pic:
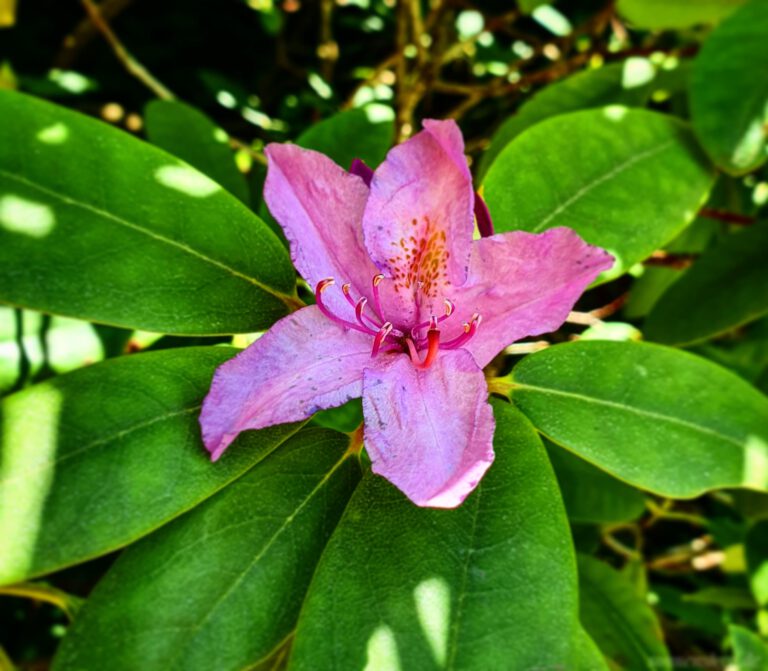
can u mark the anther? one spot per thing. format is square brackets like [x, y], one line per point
[381, 336]
[322, 285]
[469, 331]
[376, 281]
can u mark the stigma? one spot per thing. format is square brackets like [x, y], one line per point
[368, 317]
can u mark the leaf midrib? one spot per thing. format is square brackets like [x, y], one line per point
[145, 231]
[649, 414]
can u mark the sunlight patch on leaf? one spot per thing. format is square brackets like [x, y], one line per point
[186, 180]
[21, 215]
[433, 610]
[637, 72]
[382, 651]
[29, 442]
[615, 112]
[54, 134]
[756, 462]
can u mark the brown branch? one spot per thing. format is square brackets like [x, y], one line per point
[670, 260]
[86, 31]
[728, 217]
[130, 63]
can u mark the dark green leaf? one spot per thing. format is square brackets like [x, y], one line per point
[489, 585]
[661, 419]
[591, 495]
[99, 225]
[626, 83]
[631, 182]
[95, 459]
[622, 625]
[675, 13]
[220, 587]
[725, 288]
[186, 132]
[756, 551]
[587, 655]
[729, 99]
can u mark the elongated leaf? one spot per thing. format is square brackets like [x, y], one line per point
[220, 587]
[626, 83]
[725, 288]
[186, 132]
[661, 419]
[729, 104]
[587, 655]
[608, 188]
[488, 585]
[92, 460]
[675, 13]
[591, 495]
[98, 225]
[620, 622]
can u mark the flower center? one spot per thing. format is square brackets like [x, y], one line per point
[388, 339]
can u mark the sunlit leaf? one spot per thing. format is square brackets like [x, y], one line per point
[626, 180]
[663, 420]
[729, 99]
[95, 459]
[488, 585]
[98, 225]
[220, 587]
[675, 13]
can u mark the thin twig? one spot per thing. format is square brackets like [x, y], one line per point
[130, 63]
[669, 260]
[728, 217]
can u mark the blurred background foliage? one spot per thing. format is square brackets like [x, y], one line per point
[244, 73]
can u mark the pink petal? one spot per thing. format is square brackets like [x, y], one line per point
[303, 364]
[320, 207]
[429, 432]
[525, 284]
[419, 218]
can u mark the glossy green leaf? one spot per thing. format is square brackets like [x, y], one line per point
[220, 587]
[186, 132]
[366, 133]
[92, 460]
[626, 83]
[750, 652]
[587, 655]
[98, 225]
[591, 495]
[633, 180]
[661, 419]
[488, 585]
[729, 99]
[622, 625]
[725, 288]
[756, 553]
[675, 13]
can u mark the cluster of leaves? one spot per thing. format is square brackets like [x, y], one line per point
[623, 524]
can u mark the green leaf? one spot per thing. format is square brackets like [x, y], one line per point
[622, 625]
[626, 83]
[93, 460]
[220, 587]
[729, 101]
[186, 132]
[631, 182]
[750, 652]
[661, 419]
[725, 288]
[675, 13]
[365, 133]
[98, 225]
[489, 585]
[591, 495]
[587, 655]
[756, 554]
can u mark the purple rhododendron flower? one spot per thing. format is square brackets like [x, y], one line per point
[409, 310]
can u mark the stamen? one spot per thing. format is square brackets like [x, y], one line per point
[449, 310]
[377, 280]
[433, 346]
[469, 332]
[346, 289]
[381, 336]
[322, 285]
[359, 309]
